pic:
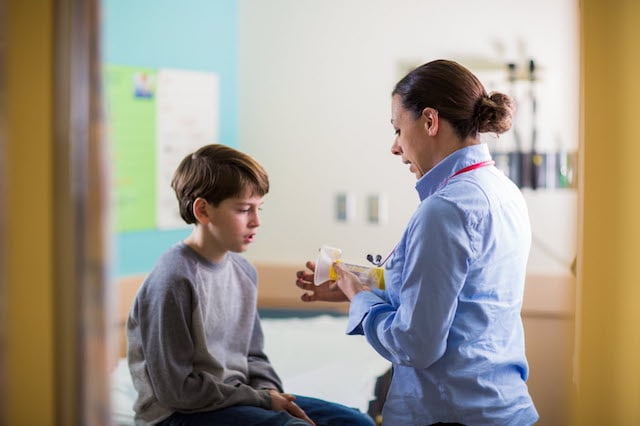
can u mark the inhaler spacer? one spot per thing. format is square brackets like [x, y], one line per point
[373, 277]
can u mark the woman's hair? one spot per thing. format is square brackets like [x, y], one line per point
[458, 96]
[215, 173]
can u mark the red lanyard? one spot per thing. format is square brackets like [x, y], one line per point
[469, 168]
[378, 262]
[473, 167]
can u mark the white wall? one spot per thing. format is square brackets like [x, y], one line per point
[314, 85]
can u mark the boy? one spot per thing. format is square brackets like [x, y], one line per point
[195, 345]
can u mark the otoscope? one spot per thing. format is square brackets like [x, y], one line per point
[516, 159]
[536, 158]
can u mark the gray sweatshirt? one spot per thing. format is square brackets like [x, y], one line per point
[194, 341]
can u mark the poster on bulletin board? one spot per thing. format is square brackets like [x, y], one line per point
[156, 116]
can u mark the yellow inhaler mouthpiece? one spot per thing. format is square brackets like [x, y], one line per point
[373, 277]
[333, 275]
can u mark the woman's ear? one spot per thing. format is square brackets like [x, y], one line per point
[200, 211]
[431, 120]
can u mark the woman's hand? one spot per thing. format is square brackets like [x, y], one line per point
[348, 282]
[285, 402]
[326, 292]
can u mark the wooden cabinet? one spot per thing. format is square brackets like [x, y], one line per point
[548, 315]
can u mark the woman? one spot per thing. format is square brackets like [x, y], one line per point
[449, 317]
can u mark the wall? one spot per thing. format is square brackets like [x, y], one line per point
[197, 35]
[314, 85]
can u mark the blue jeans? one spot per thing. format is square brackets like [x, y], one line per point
[323, 413]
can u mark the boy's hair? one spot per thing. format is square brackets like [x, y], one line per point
[216, 172]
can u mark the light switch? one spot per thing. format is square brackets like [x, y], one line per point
[344, 207]
[376, 209]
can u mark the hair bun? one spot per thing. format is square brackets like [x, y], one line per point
[494, 113]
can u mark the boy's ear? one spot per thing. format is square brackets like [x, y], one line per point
[200, 210]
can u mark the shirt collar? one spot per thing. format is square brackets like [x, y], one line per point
[437, 176]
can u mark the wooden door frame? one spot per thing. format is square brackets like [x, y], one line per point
[81, 218]
[3, 218]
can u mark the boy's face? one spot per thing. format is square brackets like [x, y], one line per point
[234, 222]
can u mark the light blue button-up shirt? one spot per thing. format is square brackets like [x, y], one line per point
[449, 318]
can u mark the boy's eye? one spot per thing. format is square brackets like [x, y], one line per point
[249, 209]
[397, 132]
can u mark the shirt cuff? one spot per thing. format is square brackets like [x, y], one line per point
[382, 294]
[360, 306]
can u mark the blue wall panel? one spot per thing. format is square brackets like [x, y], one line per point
[199, 35]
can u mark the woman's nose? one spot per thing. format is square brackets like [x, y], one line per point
[395, 148]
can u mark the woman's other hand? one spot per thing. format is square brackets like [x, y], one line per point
[326, 292]
[285, 402]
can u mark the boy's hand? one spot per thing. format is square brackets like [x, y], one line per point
[285, 402]
[326, 292]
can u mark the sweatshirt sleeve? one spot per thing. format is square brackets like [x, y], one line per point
[261, 372]
[162, 352]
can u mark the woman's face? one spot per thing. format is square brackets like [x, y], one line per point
[412, 141]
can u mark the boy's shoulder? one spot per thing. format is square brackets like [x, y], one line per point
[173, 266]
[180, 261]
[180, 264]
[175, 260]
[243, 264]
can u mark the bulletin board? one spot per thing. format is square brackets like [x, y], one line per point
[156, 116]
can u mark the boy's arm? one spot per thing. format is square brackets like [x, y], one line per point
[261, 373]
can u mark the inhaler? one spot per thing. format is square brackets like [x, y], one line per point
[373, 277]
